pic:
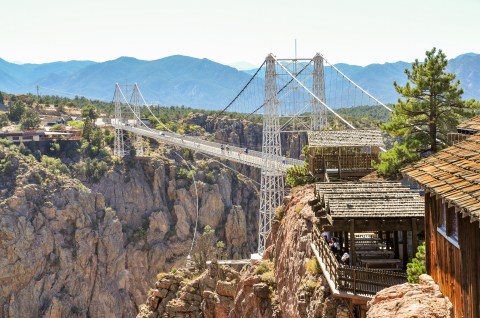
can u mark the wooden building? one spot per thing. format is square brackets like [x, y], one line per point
[387, 209]
[451, 179]
[348, 153]
[465, 130]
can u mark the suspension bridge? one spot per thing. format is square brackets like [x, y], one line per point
[291, 95]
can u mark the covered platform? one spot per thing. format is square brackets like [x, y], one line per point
[350, 152]
[379, 224]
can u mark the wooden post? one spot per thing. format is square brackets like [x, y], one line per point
[395, 244]
[414, 236]
[340, 239]
[345, 234]
[389, 246]
[353, 255]
[405, 251]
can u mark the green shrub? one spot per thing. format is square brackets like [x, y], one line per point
[185, 174]
[54, 165]
[312, 266]
[297, 176]
[210, 177]
[417, 266]
[263, 267]
[311, 284]
[279, 212]
[269, 278]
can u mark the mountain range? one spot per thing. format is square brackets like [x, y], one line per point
[201, 83]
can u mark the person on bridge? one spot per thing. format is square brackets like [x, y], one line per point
[246, 150]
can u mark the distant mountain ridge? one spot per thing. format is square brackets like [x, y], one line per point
[201, 83]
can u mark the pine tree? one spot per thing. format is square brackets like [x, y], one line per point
[417, 266]
[30, 119]
[431, 107]
[16, 111]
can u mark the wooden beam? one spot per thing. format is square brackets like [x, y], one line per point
[414, 236]
[389, 243]
[353, 255]
[405, 250]
[371, 225]
[345, 234]
[395, 244]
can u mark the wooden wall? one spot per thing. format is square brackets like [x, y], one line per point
[455, 270]
[469, 236]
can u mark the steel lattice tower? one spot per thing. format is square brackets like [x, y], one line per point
[272, 184]
[119, 146]
[319, 112]
[137, 139]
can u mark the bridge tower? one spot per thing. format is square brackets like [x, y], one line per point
[119, 142]
[272, 183]
[124, 141]
[137, 139]
[319, 112]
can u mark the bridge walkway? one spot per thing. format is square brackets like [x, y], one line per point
[233, 153]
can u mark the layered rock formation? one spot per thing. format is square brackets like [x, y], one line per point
[286, 283]
[411, 300]
[69, 249]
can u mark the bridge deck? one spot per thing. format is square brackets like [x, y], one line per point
[236, 154]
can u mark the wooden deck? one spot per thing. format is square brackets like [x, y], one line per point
[352, 281]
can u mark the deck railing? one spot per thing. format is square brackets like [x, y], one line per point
[352, 279]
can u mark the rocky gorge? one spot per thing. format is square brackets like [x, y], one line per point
[81, 249]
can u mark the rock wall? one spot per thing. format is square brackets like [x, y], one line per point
[286, 283]
[411, 300]
[69, 249]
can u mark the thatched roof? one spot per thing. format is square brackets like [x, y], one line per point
[345, 138]
[370, 200]
[452, 174]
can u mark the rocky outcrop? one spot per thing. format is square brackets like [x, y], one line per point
[411, 300]
[286, 283]
[73, 249]
[181, 294]
[302, 290]
[61, 248]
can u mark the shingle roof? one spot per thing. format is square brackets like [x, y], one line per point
[453, 174]
[347, 138]
[473, 124]
[370, 200]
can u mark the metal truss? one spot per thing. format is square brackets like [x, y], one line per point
[319, 112]
[272, 183]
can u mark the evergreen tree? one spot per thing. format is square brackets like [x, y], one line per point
[207, 248]
[3, 120]
[89, 114]
[431, 107]
[30, 119]
[417, 266]
[16, 111]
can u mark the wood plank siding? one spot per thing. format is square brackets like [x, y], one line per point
[451, 179]
[443, 258]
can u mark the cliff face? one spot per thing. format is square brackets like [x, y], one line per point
[286, 283]
[69, 249]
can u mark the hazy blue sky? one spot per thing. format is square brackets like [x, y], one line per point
[351, 31]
